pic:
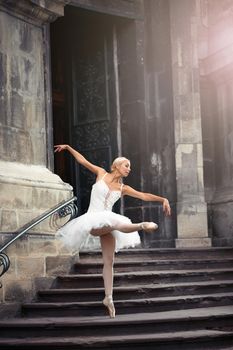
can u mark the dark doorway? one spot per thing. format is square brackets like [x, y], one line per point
[85, 94]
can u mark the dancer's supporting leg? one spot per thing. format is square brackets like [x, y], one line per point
[108, 249]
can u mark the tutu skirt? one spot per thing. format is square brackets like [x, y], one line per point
[75, 233]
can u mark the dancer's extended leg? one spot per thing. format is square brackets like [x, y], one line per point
[108, 248]
[125, 227]
[129, 227]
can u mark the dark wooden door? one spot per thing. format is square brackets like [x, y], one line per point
[91, 62]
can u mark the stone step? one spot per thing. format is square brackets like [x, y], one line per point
[169, 300]
[94, 308]
[136, 291]
[124, 266]
[212, 318]
[163, 253]
[144, 277]
[188, 340]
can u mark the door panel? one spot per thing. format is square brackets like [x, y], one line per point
[93, 127]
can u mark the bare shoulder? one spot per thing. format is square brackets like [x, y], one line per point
[101, 173]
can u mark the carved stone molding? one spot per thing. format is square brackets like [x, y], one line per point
[35, 10]
[124, 8]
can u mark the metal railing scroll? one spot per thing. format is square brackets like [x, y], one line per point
[61, 210]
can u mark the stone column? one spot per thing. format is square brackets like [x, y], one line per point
[27, 186]
[191, 206]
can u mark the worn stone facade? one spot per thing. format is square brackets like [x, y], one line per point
[162, 96]
[28, 187]
[216, 73]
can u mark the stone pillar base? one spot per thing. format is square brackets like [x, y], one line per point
[26, 191]
[192, 224]
[199, 242]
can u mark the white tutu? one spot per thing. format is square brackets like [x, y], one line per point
[75, 233]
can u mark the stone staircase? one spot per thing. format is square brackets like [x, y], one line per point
[165, 299]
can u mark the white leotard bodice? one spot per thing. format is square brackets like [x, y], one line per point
[102, 197]
[77, 232]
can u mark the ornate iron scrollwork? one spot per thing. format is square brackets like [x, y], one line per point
[70, 209]
[4, 264]
[60, 211]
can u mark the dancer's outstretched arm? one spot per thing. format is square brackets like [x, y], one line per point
[80, 159]
[129, 191]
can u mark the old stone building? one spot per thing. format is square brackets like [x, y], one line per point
[149, 79]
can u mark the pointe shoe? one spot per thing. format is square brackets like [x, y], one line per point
[149, 226]
[108, 302]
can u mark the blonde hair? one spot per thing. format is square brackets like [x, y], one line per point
[118, 161]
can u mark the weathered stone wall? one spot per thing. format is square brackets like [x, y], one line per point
[174, 122]
[191, 205]
[216, 58]
[36, 260]
[27, 186]
[159, 174]
[23, 133]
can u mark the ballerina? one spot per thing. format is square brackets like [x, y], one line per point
[115, 231]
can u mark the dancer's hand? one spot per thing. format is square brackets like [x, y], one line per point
[59, 148]
[166, 207]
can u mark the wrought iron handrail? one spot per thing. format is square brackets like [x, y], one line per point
[62, 209]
